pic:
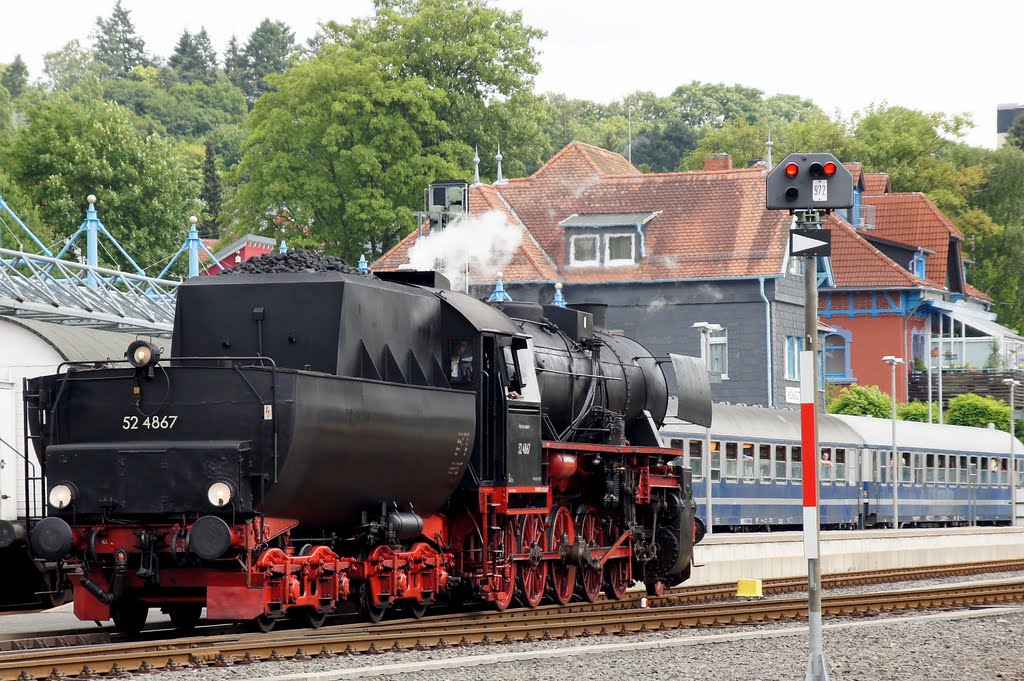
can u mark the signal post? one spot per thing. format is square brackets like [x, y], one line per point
[810, 185]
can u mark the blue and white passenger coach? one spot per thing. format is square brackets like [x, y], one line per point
[949, 475]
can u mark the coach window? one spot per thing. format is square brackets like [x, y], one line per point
[918, 459]
[940, 468]
[929, 468]
[839, 464]
[906, 467]
[748, 461]
[697, 459]
[951, 469]
[780, 463]
[716, 461]
[877, 465]
[764, 463]
[825, 466]
[795, 472]
[983, 474]
[731, 453]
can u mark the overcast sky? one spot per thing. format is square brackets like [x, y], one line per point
[937, 57]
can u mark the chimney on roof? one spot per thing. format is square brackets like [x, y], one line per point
[718, 162]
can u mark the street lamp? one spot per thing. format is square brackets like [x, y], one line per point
[706, 329]
[893, 362]
[1013, 383]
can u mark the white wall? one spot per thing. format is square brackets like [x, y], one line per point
[22, 355]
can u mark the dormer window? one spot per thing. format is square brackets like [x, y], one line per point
[620, 250]
[917, 266]
[583, 250]
[606, 240]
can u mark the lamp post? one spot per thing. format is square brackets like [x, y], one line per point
[1012, 383]
[706, 329]
[894, 469]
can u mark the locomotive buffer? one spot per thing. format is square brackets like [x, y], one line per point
[810, 185]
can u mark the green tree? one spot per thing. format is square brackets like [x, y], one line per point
[267, 52]
[859, 400]
[917, 411]
[338, 154]
[118, 47]
[978, 411]
[1015, 134]
[910, 146]
[194, 60]
[71, 68]
[482, 59]
[235, 66]
[15, 76]
[211, 195]
[72, 148]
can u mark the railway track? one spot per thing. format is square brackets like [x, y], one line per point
[672, 611]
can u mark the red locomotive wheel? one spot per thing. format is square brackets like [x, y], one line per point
[503, 573]
[563, 575]
[617, 571]
[588, 529]
[533, 573]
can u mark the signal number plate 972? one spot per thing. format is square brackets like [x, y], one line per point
[148, 422]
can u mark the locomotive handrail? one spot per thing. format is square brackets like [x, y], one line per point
[570, 373]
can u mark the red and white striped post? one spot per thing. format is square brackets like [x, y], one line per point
[816, 668]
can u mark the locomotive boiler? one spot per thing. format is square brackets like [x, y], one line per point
[318, 437]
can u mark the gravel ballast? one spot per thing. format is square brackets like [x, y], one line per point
[973, 645]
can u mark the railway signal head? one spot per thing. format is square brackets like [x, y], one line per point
[809, 181]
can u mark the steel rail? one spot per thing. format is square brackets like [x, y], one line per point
[439, 632]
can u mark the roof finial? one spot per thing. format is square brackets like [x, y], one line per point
[768, 145]
[476, 166]
[500, 179]
[500, 295]
[558, 300]
[363, 266]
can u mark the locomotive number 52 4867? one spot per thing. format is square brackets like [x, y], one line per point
[150, 422]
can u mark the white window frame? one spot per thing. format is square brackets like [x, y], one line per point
[596, 262]
[720, 337]
[608, 250]
[796, 265]
[794, 346]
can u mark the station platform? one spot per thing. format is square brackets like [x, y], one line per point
[766, 555]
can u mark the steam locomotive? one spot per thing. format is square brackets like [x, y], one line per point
[321, 437]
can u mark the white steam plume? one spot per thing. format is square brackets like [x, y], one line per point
[485, 243]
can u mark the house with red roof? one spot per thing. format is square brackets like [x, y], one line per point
[899, 287]
[667, 251]
[663, 252]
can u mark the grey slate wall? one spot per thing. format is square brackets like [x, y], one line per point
[660, 315]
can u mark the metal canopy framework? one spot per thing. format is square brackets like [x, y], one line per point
[43, 287]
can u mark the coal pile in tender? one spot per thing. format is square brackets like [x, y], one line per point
[294, 261]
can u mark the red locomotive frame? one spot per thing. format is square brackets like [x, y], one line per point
[537, 542]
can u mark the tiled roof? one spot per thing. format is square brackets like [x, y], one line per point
[975, 293]
[911, 218]
[709, 225]
[877, 183]
[858, 264]
[857, 170]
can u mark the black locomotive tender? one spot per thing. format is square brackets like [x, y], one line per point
[316, 437]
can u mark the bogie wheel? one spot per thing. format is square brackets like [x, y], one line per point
[414, 609]
[588, 529]
[533, 573]
[617, 576]
[563, 575]
[263, 624]
[503, 568]
[364, 603]
[186, 616]
[129, 617]
[308, 616]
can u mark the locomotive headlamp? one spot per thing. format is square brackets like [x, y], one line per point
[142, 354]
[219, 493]
[62, 494]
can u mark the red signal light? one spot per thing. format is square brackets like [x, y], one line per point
[829, 169]
[792, 169]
